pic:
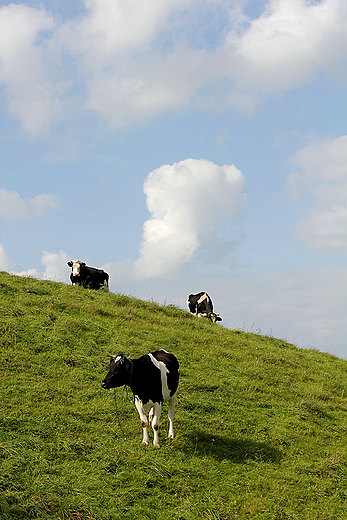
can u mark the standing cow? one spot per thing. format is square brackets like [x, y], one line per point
[153, 379]
[201, 305]
[87, 277]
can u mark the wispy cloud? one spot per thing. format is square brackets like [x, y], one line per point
[13, 207]
[6, 263]
[322, 173]
[32, 88]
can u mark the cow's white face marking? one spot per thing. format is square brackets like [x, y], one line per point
[163, 371]
[76, 267]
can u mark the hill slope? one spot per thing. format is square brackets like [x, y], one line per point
[260, 424]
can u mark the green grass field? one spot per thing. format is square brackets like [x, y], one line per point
[260, 427]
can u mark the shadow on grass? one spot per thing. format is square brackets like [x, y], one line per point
[239, 451]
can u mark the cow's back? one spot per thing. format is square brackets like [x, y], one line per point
[172, 365]
[146, 380]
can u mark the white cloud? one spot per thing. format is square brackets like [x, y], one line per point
[146, 88]
[16, 209]
[56, 268]
[324, 230]
[113, 27]
[26, 67]
[322, 173]
[186, 200]
[193, 205]
[287, 44]
[6, 264]
[128, 61]
[29, 272]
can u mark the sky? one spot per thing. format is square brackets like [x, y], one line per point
[182, 146]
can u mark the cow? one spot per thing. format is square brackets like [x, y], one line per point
[87, 277]
[153, 379]
[201, 305]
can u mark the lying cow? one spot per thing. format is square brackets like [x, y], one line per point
[201, 305]
[153, 379]
[87, 277]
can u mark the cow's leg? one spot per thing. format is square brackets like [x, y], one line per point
[172, 401]
[155, 423]
[150, 416]
[144, 421]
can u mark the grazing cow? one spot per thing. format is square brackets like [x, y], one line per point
[201, 305]
[153, 379]
[87, 277]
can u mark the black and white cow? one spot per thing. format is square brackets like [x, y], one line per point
[153, 379]
[87, 277]
[201, 305]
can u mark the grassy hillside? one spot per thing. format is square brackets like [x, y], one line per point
[261, 426]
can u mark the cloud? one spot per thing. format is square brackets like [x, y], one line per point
[127, 61]
[113, 27]
[305, 307]
[26, 67]
[56, 268]
[16, 209]
[287, 44]
[146, 88]
[186, 201]
[322, 173]
[132, 76]
[29, 272]
[6, 264]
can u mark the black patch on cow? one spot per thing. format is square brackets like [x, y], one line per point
[75, 279]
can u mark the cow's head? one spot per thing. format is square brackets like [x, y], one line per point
[76, 267]
[119, 372]
[211, 316]
[214, 317]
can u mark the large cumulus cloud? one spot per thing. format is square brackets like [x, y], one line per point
[186, 201]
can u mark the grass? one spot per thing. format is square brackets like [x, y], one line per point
[260, 424]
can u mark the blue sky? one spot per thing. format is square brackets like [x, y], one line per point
[182, 145]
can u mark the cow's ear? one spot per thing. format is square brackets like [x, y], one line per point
[83, 264]
[69, 264]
